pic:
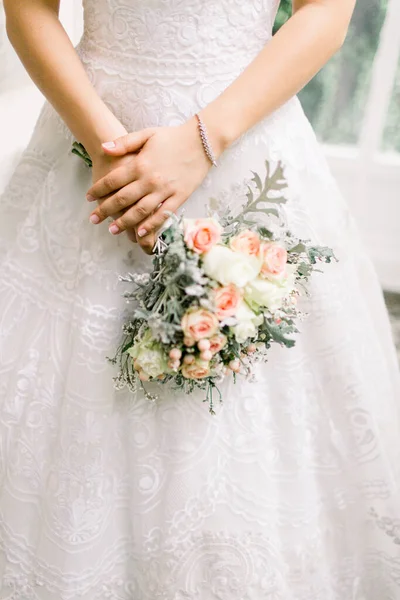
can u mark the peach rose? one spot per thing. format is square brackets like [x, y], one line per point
[274, 261]
[247, 242]
[217, 342]
[201, 235]
[198, 324]
[196, 370]
[227, 299]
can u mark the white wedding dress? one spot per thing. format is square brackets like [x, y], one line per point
[292, 491]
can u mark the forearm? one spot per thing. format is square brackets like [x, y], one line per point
[284, 66]
[48, 55]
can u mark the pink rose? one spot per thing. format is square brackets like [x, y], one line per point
[198, 324]
[217, 342]
[201, 235]
[196, 370]
[227, 300]
[274, 260]
[247, 242]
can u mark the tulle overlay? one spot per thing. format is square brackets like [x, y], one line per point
[292, 491]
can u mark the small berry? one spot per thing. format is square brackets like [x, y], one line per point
[251, 348]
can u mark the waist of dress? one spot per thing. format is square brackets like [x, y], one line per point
[166, 69]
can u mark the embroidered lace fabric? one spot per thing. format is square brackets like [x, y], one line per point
[292, 491]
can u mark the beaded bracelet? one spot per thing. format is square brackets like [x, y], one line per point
[205, 141]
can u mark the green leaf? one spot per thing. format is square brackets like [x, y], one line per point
[80, 150]
[300, 248]
[126, 347]
[272, 211]
[257, 181]
[265, 233]
[277, 333]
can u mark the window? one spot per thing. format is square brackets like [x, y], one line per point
[354, 107]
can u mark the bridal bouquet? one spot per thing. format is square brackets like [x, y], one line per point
[221, 292]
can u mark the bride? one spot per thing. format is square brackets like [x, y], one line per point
[291, 492]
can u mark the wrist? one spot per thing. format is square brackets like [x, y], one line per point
[221, 135]
[105, 130]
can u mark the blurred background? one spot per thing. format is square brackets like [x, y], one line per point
[353, 104]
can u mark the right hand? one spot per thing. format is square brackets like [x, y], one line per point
[104, 164]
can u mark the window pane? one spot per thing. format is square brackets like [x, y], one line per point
[334, 100]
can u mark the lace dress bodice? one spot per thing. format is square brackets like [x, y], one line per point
[183, 40]
[169, 57]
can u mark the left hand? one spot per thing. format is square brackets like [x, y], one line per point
[167, 166]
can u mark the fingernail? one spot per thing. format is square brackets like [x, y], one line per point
[113, 229]
[108, 145]
[90, 198]
[142, 232]
[95, 219]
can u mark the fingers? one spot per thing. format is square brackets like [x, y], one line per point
[125, 197]
[148, 244]
[147, 230]
[132, 142]
[136, 214]
[113, 181]
[131, 233]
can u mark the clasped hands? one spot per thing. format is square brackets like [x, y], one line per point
[149, 174]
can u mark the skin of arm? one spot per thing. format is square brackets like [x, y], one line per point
[47, 53]
[304, 44]
[170, 163]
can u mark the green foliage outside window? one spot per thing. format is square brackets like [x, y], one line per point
[334, 100]
[285, 10]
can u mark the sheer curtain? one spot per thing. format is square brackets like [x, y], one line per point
[354, 105]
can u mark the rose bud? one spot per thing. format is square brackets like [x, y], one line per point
[206, 355]
[234, 365]
[189, 359]
[251, 348]
[143, 376]
[174, 364]
[204, 345]
[189, 341]
[175, 354]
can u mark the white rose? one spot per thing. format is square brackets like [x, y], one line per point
[226, 266]
[247, 324]
[149, 357]
[270, 294]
